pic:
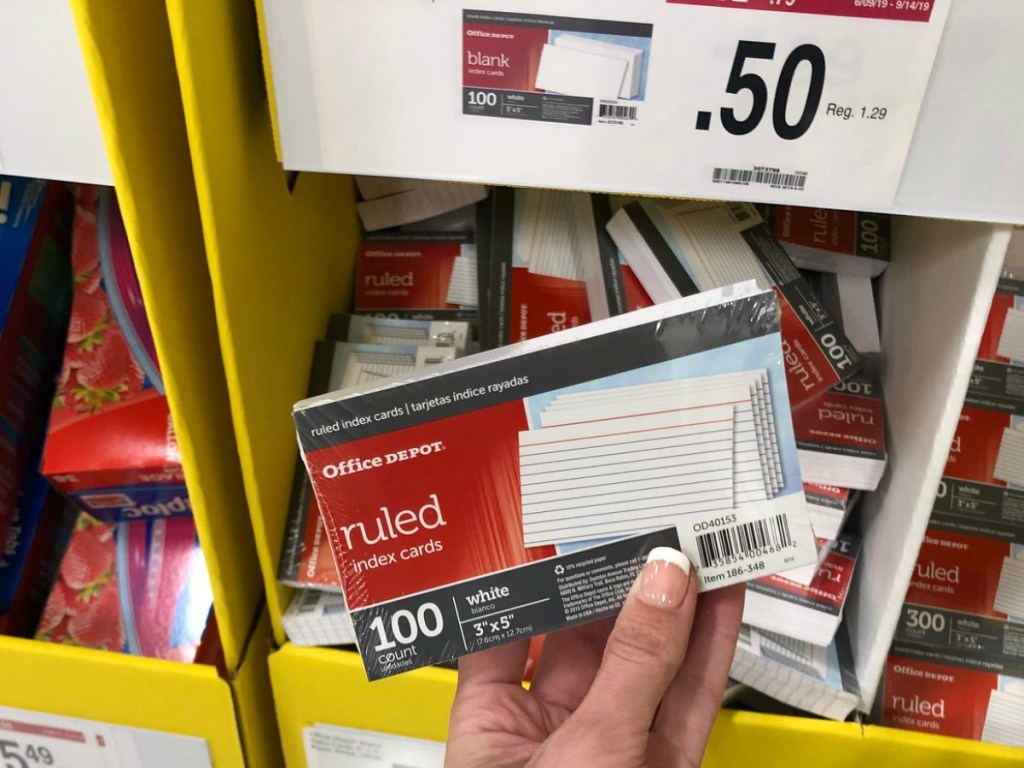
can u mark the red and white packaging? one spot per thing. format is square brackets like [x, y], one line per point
[841, 436]
[809, 613]
[997, 382]
[424, 481]
[967, 574]
[417, 275]
[541, 244]
[827, 240]
[925, 696]
[828, 506]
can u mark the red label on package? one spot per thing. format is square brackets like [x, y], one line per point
[840, 422]
[542, 305]
[888, 10]
[975, 447]
[405, 275]
[636, 296]
[957, 572]
[935, 698]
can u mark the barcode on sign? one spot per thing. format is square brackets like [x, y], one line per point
[773, 177]
[723, 546]
[617, 111]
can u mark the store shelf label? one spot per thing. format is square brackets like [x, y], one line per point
[332, 746]
[39, 740]
[793, 101]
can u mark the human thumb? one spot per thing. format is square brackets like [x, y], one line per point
[645, 648]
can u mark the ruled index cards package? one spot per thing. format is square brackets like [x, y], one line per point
[841, 435]
[679, 247]
[826, 240]
[434, 559]
[816, 680]
[809, 613]
[543, 247]
[921, 694]
[417, 275]
[394, 331]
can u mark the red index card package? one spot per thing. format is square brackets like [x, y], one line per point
[516, 492]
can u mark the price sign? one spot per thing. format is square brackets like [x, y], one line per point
[799, 95]
[39, 740]
[31, 740]
[331, 746]
[795, 101]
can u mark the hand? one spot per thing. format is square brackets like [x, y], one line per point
[643, 690]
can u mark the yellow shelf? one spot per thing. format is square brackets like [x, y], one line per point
[129, 61]
[315, 685]
[186, 699]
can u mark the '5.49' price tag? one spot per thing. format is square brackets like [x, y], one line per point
[40, 740]
[34, 740]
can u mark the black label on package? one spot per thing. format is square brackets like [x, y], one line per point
[996, 387]
[480, 613]
[963, 639]
[979, 509]
[506, 379]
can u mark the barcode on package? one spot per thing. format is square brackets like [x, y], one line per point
[724, 546]
[773, 177]
[617, 111]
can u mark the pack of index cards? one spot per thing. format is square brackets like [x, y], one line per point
[518, 491]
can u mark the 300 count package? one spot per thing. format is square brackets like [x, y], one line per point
[516, 492]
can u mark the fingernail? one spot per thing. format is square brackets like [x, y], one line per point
[664, 578]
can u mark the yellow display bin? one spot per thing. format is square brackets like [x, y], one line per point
[129, 59]
[281, 260]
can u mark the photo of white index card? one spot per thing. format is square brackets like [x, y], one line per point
[1010, 461]
[462, 288]
[1011, 342]
[1010, 593]
[634, 58]
[749, 470]
[1004, 720]
[579, 73]
[600, 479]
[756, 381]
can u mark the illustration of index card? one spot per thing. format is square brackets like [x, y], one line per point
[1010, 593]
[1010, 461]
[1004, 720]
[579, 73]
[462, 288]
[600, 479]
[572, 407]
[764, 393]
[752, 481]
[749, 471]
[1011, 342]
[634, 58]
[799, 654]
